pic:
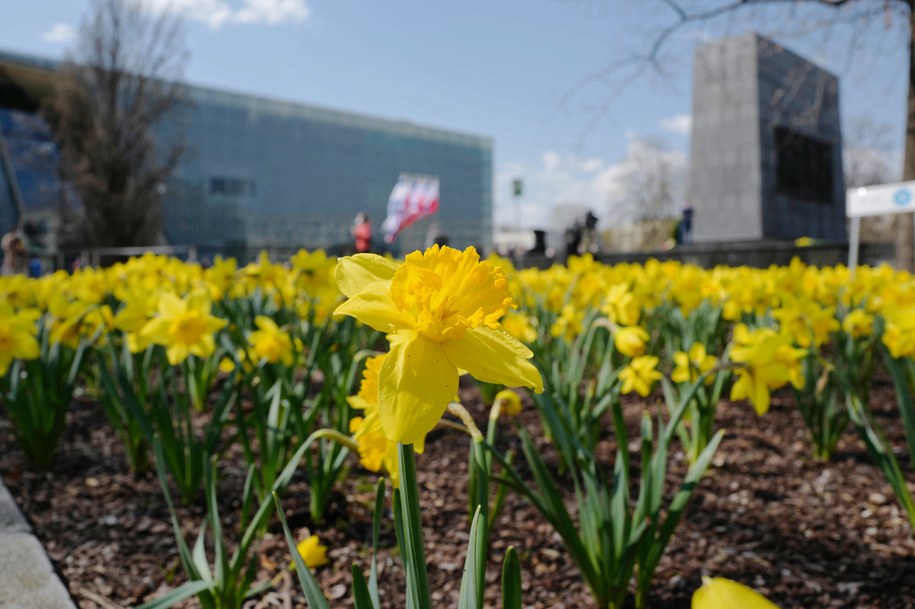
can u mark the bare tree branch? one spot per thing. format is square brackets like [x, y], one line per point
[122, 81]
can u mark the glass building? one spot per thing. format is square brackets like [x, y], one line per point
[260, 173]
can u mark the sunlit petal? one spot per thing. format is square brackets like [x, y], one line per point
[415, 385]
[493, 356]
[353, 273]
[373, 307]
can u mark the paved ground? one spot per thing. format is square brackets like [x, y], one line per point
[27, 579]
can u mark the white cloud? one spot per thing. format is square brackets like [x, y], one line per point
[559, 188]
[216, 13]
[60, 33]
[649, 180]
[592, 165]
[273, 11]
[569, 182]
[551, 161]
[679, 124]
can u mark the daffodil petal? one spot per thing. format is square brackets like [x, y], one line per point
[355, 272]
[721, 593]
[373, 306]
[416, 383]
[493, 356]
[170, 305]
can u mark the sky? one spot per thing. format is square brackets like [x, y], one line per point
[557, 84]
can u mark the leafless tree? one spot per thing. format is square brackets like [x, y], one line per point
[123, 78]
[800, 18]
[865, 153]
[647, 184]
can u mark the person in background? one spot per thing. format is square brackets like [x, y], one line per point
[685, 226]
[573, 239]
[35, 268]
[15, 252]
[589, 234]
[362, 233]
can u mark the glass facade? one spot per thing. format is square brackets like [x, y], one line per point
[260, 173]
[29, 177]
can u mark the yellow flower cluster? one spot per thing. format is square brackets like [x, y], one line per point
[447, 312]
[164, 301]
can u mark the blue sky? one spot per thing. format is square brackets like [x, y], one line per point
[514, 70]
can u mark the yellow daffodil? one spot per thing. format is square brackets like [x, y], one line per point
[270, 343]
[220, 278]
[767, 362]
[640, 375]
[807, 322]
[313, 553]
[689, 366]
[376, 452]
[17, 335]
[185, 327]
[899, 334]
[621, 306]
[568, 324]
[858, 324]
[520, 327]
[721, 593]
[509, 402]
[441, 310]
[630, 341]
[139, 307]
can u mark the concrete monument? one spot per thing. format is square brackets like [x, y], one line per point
[766, 145]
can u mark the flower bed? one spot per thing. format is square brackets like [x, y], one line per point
[768, 515]
[627, 475]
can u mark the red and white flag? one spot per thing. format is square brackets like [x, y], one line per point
[413, 198]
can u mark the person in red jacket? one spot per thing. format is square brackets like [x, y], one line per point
[362, 233]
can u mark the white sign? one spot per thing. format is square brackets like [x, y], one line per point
[880, 200]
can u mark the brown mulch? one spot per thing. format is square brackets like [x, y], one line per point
[805, 533]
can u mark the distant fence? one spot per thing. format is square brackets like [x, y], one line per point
[758, 254]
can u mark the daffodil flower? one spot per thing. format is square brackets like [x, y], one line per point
[508, 402]
[766, 361]
[630, 341]
[376, 452]
[441, 311]
[270, 343]
[313, 553]
[721, 593]
[688, 366]
[858, 324]
[17, 336]
[640, 375]
[184, 327]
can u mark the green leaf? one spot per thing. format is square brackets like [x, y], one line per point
[181, 593]
[200, 558]
[376, 532]
[313, 593]
[361, 596]
[511, 580]
[904, 388]
[476, 547]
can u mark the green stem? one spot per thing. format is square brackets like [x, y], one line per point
[417, 579]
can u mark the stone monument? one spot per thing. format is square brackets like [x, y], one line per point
[766, 145]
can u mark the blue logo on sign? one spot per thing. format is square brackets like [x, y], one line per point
[902, 197]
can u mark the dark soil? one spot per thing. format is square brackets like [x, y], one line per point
[806, 534]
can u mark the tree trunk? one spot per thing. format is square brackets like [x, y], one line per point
[905, 256]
